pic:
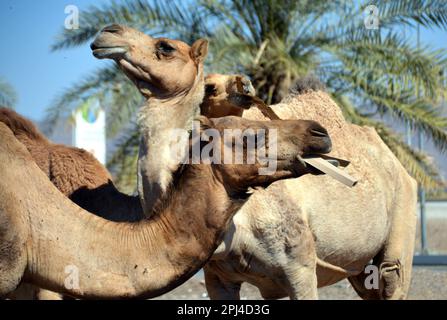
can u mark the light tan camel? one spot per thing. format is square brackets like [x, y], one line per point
[157, 66]
[298, 235]
[321, 232]
[43, 232]
[218, 90]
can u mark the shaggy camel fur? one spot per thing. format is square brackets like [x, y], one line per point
[43, 232]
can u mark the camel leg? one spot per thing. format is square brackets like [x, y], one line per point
[300, 268]
[220, 289]
[12, 267]
[395, 261]
[302, 283]
[43, 294]
[24, 291]
[13, 257]
[10, 275]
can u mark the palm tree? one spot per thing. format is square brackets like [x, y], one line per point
[8, 96]
[371, 74]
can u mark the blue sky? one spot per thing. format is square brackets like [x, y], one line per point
[29, 27]
[27, 30]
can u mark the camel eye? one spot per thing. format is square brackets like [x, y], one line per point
[165, 47]
[210, 90]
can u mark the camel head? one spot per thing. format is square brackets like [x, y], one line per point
[159, 67]
[285, 143]
[226, 95]
[230, 95]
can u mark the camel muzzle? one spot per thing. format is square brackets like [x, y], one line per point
[107, 44]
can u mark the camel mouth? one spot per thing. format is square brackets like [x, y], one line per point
[107, 52]
[297, 165]
[322, 148]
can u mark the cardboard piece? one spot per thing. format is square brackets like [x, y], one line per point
[327, 166]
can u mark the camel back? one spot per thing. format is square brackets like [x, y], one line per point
[19, 125]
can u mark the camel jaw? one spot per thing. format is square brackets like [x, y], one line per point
[108, 52]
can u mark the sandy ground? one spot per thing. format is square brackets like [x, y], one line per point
[428, 283]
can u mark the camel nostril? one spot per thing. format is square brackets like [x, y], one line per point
[93, 46]
[319, 132]
[113, 28]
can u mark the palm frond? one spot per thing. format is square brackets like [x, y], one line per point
[169, 18]
[428, 13]
[96, 84]
[418, 164]
[123, 163]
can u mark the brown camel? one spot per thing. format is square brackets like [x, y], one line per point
[171, 79]
[43, 232]
[75, 172]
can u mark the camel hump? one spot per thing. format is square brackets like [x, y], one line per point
[20, 125]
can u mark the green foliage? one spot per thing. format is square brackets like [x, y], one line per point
[123, 163]
[8, 96]
[381, 72]
[115, 92]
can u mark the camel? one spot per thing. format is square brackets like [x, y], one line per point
[230, 95]
[218, 90]
[295, 235]
[149, 69]
[43, 232]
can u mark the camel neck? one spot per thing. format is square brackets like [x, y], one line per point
[158, 121]
[103, 259]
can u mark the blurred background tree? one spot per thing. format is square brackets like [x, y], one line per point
[372, 74]
[8, 96]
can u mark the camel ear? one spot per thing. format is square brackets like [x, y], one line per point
[199, 50]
